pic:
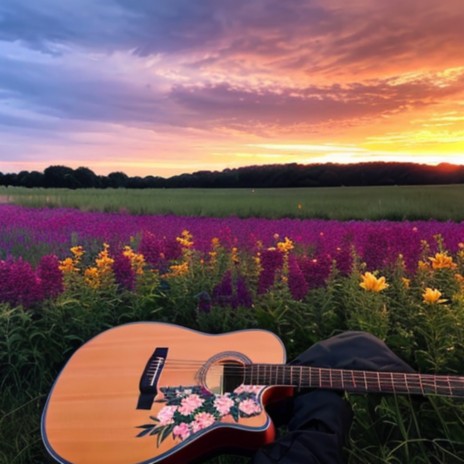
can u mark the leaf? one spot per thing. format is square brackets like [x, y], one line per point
[235, 413]
[148, 429]
[165, 433]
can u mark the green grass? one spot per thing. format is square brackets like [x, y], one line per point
[441, 202]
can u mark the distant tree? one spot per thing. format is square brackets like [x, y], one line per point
[154, 182]
[11, 179]
[86, 177]
[31, 179]
[118, 179]
[60, 177]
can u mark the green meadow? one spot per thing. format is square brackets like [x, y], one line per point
[36, 341]
[441, 202]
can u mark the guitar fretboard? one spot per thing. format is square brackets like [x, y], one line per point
[355, 381]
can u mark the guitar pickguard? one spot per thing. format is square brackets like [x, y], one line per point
[189, 410]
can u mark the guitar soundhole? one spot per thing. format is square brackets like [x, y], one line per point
[224, 376]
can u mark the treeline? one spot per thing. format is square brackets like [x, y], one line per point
[268, 176]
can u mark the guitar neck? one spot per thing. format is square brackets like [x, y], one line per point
[354, 381]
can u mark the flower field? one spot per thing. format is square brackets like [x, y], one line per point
[66, 275]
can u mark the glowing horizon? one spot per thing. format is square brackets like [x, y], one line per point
[317, 82]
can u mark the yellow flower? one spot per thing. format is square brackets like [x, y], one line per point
[432, 295]
[178, 269]
[460, 279]
[442, 261]
[104, 262]
[372, 283]
[67, 265]
[423, 266]
[185, 239]
[285, 246]
[137, 259]
[92, 277]
[406, 282]
[215, 243]
[234, 255]
[77, 251]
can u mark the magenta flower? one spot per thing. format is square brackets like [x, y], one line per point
[296, 281]
[123, 271]
[51, 278]
[20, 285]
[271, 261]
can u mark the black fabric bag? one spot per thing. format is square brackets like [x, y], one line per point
[319, 420]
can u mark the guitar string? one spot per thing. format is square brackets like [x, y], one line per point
[371, 379]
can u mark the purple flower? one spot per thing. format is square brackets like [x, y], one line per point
[223, 294]
[123, 271]
[315, 270]
[271, 261]
[232, 292]
[20, 284]
[204, 302]
[51, 278]
[244, 297]
[296, 281]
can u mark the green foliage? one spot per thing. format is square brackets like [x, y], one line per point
[441, 202]
[34, 345]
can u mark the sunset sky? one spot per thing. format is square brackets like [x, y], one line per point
[162, 87]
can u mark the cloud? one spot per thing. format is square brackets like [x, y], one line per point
[231, 71]
[224, 104]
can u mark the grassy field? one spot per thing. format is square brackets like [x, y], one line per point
[442, 202]
[305, 300]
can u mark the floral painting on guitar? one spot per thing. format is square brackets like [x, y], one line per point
[191, 409]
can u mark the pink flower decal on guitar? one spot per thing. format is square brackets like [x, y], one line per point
[189, 410]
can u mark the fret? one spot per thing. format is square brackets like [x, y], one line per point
[392, 382]
[342, 381]
[321, 378]
[406, 383]
[353, 380]
[348, 380]
[365, 381]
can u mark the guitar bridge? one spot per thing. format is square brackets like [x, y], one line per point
[149, 381]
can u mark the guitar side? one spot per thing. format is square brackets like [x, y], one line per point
[99, 411]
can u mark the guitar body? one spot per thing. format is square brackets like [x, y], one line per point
[155, 393]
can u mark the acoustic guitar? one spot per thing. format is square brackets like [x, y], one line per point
[158, 393]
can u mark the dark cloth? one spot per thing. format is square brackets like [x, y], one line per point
[316, 432]
[319, 420]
